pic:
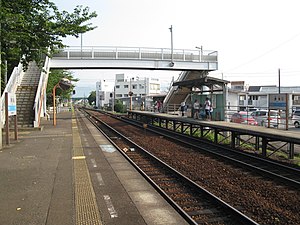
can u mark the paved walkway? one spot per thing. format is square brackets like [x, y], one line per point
[36, 176]
[70, 174]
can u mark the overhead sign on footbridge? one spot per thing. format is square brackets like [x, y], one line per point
[135, 58]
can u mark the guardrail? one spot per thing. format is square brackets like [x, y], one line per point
[39, 106]
[136, 53]
[11, 87]
[279, 121]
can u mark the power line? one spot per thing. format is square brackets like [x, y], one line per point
[267, 52]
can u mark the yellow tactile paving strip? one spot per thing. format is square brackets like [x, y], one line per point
[86, 208]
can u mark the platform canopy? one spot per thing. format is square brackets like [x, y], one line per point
[214, 84]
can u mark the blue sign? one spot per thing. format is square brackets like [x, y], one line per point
[278, 101]
[12, 104]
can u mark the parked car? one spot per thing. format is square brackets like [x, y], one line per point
[261, 116]
[296, 118]
[252, 109]
[243, 117]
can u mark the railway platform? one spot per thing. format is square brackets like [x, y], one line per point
[261, 138]
[71, 174]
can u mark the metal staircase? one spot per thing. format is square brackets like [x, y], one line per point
[176, 94]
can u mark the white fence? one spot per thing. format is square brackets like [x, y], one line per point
[137, 53]
[11, 87]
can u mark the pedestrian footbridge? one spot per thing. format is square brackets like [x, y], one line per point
[135, 58]
[30, 86]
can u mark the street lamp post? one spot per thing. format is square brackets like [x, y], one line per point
[63, 84]
[130, 94]
[112, 96]
[172, 59]
[201, 52]
[54, 103]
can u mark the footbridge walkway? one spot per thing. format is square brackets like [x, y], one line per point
[99, 57]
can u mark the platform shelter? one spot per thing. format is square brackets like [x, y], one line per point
[213, 88]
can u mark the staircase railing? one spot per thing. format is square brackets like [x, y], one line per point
[39, 106]
[11, 87]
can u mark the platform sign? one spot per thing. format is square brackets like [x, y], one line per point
[12, 104]
[278, 101]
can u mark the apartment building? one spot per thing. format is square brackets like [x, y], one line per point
[241, 97]
[141, 88]
[104, 90]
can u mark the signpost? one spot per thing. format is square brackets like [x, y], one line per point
[280, 102]
[10, 110]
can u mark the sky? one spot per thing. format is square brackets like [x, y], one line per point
[254, 38]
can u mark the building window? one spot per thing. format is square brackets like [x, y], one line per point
[126, 86]
[134, 86]
[125, 95]
[154, 86]
[253, 97]
[101, 95]
[141, 86]
[242, 97]
[117, 86]
[119, 95]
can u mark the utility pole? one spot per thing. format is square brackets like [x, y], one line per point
[279, 81]
[0, 85]
[81, 45]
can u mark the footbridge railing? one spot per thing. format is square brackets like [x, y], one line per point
[98, 57]
[39, 106]
[11, 87]
[137, 53]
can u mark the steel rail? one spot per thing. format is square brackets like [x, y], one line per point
[242, 218]
[274, 170]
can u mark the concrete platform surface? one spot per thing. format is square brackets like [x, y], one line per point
[71, 174]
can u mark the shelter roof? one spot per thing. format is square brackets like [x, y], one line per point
[205, 81]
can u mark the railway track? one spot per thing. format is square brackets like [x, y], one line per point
[284, 174]
[258, 203]
[194, 203]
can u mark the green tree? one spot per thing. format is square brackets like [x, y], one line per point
[119, 107]
[92, 97]
[29, 28]
[54, 78]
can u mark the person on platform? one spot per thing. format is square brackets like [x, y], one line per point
[196, 109]
[159, 105]
[182, 108]
[207, 107]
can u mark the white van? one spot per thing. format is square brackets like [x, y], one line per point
[261, 116]
[296, 118]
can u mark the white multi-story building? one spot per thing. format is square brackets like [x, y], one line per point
[104, 90]
[140, 87]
